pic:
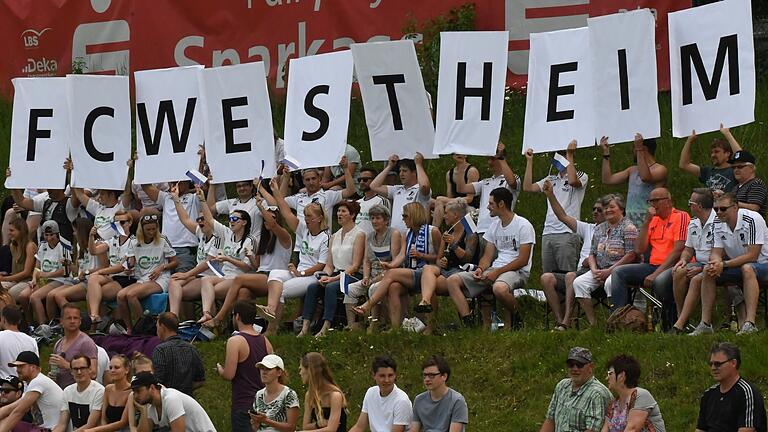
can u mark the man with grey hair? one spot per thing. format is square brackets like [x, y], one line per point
[579, 402]
[732, 404]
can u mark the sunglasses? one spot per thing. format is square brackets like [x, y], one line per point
[597, 209]
[574, 364]
[717, 364]
[234, 218]
[364, 179]
[123, 221]
[149, 218]
[738, 167]
[722, 209]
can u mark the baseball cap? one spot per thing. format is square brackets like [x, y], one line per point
[271, 361]
[14, 382]
[50, 226]
[24, 358]
[143, 379]
[742, 156]
[581, 355]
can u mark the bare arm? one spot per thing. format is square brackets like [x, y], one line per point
[648, 174]
[377, 184]
[685, 157]
[152, 191]
[528, 184]
[557, 209]
[230, 358]
[362, 423]
[210, 201]
[610, 178]
[349, 189]
[188, 223]
[290, 219]
[18, 409]
[421, 175]
[735, 146]
[548, 426]
[573, 178]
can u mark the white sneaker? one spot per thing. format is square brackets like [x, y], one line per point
[747, 328]
[701, 329]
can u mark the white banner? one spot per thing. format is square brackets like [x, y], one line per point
[712, 67]
[470, 92]
[100, 124]
[625, 95]
[558, 106]
[39, 134]
[396, 107]
[238, 122]
[317, 111]
[169, 124]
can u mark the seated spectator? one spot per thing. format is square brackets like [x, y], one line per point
[114, 416]
[414, 187]
[440, 408]
[739, 255]
[579, 403]
[13, 341]
[325, 406]
[183, 241]
[42, 395]
[103, 284]
[152, 257]
[245, 201]
[276, 405]
[314, 193]
[177, 363]
[53, 265]
[461, 169]
[167, 407]
[345, 254]
[642, 178]
[81, 407]
[23, 251]
[555, 284]
[733, 404]
[751, 191]
[719, 177]
[104, 206]
[74, 343]
[663, 236]
[136, 413]
[370, 198]
[11, 390]
[404, 271]
[633, 407]
[245, 349]
[386, 408]
[612, 245]
[510, 240]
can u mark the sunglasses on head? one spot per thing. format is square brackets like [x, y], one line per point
[149, 218]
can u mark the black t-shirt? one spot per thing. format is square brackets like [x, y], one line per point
[742, 406]
[717, 178]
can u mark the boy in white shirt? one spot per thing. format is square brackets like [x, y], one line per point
[386, 408]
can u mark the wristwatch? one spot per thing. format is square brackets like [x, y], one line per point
[303, 273]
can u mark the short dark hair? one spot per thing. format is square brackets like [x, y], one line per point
[246, 310]
[369, 169]
[408, 164]
[706, 198]
[730, 196]
[650, 145]
[503, 195]
[12, 315]
[383, 361]
[353, 207]
[721, 144]
[81, 356]
[440, 363]
[169, 320]
[627, 364]
[730, 350]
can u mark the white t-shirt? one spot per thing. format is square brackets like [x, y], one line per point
[750, 230]
[232, 248]
[81, 404]
[484, 188]
[278, 259]
[313, 249]
[228, 206]
[508, 240]
[400, 196]
[46, 410]
[142, 196]
[177, 233]
[384, 412]
[206, 248]
[326, 198]
[150, 256]
[701, 238]
[569, 197]
[50, 258]
[102, 364]
[11, 344]
[585, 231]
[102, 215]
[363, 220]
[176, 404]
[119, 251]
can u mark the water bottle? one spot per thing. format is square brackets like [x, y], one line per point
[496, 322]
[54, 370]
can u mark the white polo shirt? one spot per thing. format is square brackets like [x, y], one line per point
[400, 196]
[701, 238]
[750, 230]
[484, 188]
[568, 196]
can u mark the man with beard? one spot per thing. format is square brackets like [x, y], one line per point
[169, 407]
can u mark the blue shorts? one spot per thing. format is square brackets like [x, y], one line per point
[761, 271]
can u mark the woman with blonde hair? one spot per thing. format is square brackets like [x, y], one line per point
[23, 252]
[276, 406]
[325, 406]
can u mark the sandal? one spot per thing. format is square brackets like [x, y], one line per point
[265, 313]
[360, 310]
[423, 308]
[205, 318]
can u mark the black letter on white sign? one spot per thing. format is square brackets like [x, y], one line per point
[484, 92]
[389, 82]
[317, 113]
[690, 54]
[556, 90]
[230, 146]
[35, 133]
[623, 79]
[88, 134]
[165, 110]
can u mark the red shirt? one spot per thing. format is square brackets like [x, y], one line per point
[663, 233]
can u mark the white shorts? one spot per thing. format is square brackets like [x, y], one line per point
[163, 280]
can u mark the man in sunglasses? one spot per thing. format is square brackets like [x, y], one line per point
[579, 402]
[370, 198]
[733, 404]
[11, 390]
[751, 191]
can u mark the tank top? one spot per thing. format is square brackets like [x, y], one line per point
[277, 259]
[379, 251]
[343, 249]
[247, 379]
[638, 192]
[327, 413]
[114, 413]
[456, 193]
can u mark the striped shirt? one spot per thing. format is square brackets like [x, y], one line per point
[742, 406]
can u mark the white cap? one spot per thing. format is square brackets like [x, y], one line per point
[271, 361]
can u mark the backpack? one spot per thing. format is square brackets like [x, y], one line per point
[57, 211]
[627, 317]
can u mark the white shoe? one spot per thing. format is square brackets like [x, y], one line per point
[747, 328]
[701, 329]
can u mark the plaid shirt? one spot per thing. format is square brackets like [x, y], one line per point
[178, 364]
[581, 410]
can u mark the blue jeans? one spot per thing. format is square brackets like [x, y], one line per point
[330, 292]
[625, 275]
[241, 421]
[186, 259]
[662, 290]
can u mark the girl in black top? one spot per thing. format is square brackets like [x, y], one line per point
[325, 406]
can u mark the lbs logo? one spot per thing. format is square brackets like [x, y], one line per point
[31, 37]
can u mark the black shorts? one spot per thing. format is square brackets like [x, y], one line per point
[124, 281]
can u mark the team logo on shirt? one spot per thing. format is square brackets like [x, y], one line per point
[146, 263]
[48, 265]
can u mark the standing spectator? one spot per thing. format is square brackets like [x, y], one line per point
[461, 170]
[83, 400]
[176, 362]
[719, 177]
[333, 176]
[42, 396]
[54, 262]
[72, 344]
[440, 408]
[642, 177]
[634, 408]
[559, 245]
[751, 191]
[314, 193]
[733, 403]
[369, 199]
[55, 206]
[276, 405]
[325, 406]
[244, 350]
[386, 408]
[168, 407]
[579, 402]
[414, 187]
[103, 207]
[183, 241]
[12, 341]
[23, 251]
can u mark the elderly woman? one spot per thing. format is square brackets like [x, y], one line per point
[634, 409]
[613, 244]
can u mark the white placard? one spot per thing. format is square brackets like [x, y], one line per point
[558, 106]
[100, 125]
[470, 92]
[623, 51]
[396, 107]
[712, 67]
[238, 122]
[39, 134]
[169, 124]
[317, 111]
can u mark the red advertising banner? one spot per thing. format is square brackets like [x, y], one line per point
[53, 37]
